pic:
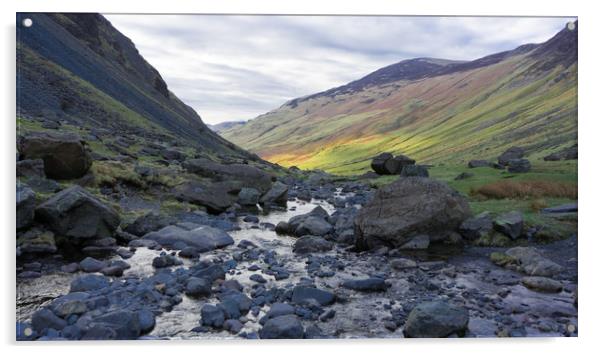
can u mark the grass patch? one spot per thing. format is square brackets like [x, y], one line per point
[526, 189]
[112, 172]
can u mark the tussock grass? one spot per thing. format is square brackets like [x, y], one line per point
[111, 172]
[526, 189]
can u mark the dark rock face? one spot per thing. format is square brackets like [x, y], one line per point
[77, 214]
[277, 195]
[202, 238]
[65, 155]
[214, 198]
[148, 223]
[312, 244]
[248, 196]
[26, 204]
[476, 227]
[249, 176]
[282, 327]
[512, 153]
[519, 165]
[31, 168]
[510, 224]
[386, 164]
[406, 208]
[436, 320]
[414, 171]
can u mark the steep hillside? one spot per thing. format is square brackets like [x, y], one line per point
[432, 109]
[78, 69]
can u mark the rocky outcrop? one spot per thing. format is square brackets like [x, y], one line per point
[407, 208]
[387, 164]
[76, 214]
[512, 153]
[65, 155]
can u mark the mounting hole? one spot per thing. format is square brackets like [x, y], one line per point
[570, 26]
[27, 22]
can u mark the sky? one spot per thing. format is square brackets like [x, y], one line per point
[232, 68]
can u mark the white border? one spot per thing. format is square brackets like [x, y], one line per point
[590, 116]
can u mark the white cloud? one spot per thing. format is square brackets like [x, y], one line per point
[238, 67]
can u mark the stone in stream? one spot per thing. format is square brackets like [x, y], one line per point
[510, 224]
[406, 208]
[302, 293]
[44, 319]
[71, 304]
[26, 204]
[542, 284]
[125, 323]
[313, 225]
[166, 260]
[403, 263]
[65, 154]
[514, 152]
[282, 327]
[76, 214]
[436, 319]
[197, 287]
[530, 261]
[477, 226]
[312, 244]
[212, 316]
[233, 326]
[203, 238]
[89, 282]
[366, 285]
[277, 309]
[258, 278]
[91, 265]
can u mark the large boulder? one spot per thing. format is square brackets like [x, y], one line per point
[278, 194]
[203, 238]
[477, 227]
[65, 154]
[386, 164]
[77, 214]
[248, 196]
[149, 222]
[519, 166]
[26, 205]
[213, 197]
[282, 327]
[250, 176]
[510, 224]
[407, 208]
[312, 244]
[436, 320]
[514, 152]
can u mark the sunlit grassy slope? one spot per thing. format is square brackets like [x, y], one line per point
[452, 118]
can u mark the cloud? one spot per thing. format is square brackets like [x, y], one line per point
[238, 67]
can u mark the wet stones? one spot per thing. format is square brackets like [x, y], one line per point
[436, 320]
[166, 260]
[403, 264]
[89, 282]
[527, 260]
[277, 195]
[406, 208]
[212, 316]
[282, 327]
[198, 287]
[202, 238]
[91, 265]
[302, 293]
[77, 214]
[248, 196]
[312, 244]
[65, 155]
[277, 309]
[213, 197]
[366, 285]
[44, 319]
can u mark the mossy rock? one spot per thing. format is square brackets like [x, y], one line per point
[493, 239]
[501, 259]
[555, 232]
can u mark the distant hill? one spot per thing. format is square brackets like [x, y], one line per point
[434, 110]
[220, 127]
[78, 69]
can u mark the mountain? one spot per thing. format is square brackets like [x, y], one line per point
[78, 70]
[435, 110]
[220, 127]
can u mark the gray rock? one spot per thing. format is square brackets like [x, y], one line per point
[366, 285]
[418, 242]
[313, 225]
[277, 309]
[26, 204]
[403, 263]
[510, 154]
[509, 224]
[248, 196]
[91, 265]
[77, 214]
[519, 166]
[31, 168]
[146, 320]
[213, 197]
[570, 153]
[89, 282]
[36, 241]
[125, 323]
[531, 262]
[302, 293]
[166, 260]
[45, 319]
[542, 284]
[148, 223]
[407, 207]
[212, 316]
[173, 154]
[282, 327]
[312, 244]
[277, 195]
[414, 171]
[202, 238]
[198, 287]
[233, 326]
[65, 155]
[248, 175]
[476, 227]
[436, 320]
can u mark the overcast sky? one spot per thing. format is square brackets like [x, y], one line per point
[238, 67]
